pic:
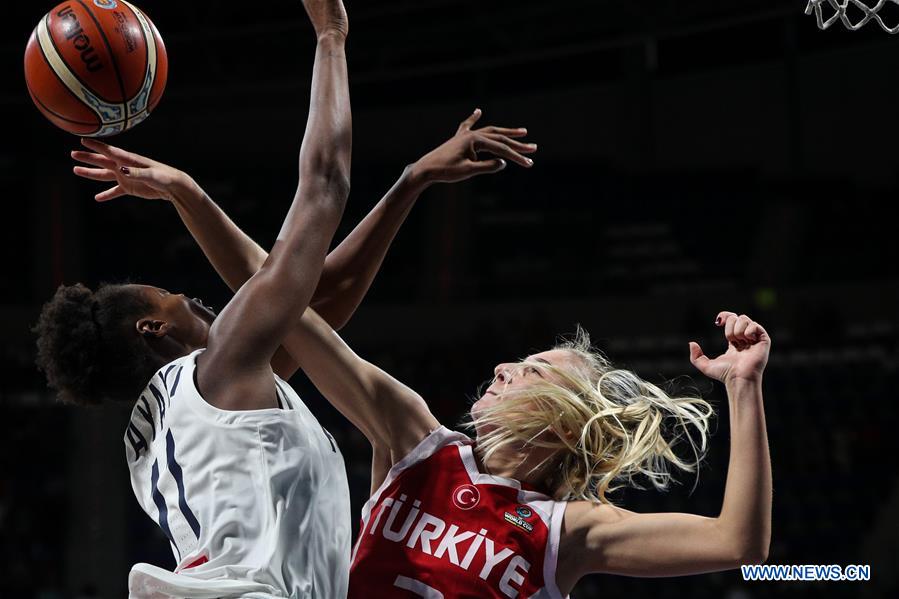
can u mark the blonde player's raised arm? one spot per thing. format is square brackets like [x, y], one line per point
[604, 538]
[392, 416]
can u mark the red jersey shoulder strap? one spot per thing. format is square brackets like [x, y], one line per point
[551, 557]
[434, 442]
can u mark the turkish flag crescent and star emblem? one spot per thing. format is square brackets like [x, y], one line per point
[466, 497]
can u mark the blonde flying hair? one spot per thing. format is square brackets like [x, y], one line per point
[607, 427]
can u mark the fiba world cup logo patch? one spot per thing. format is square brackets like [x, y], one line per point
[466, 497]
[519, 518]
[107, 4]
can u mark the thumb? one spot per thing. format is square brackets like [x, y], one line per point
[468, 123]
[698, 358]
[484, 167]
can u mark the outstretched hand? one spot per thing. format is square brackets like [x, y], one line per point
[458, 158]
[132, 174]
[748, 345]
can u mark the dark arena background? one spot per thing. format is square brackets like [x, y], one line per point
[694, 157]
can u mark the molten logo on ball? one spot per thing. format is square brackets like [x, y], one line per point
[82, 43]
[107, 4]
[466, 497]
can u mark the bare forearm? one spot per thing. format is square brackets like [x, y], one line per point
[324, 176]
[351, 267]
[746, 511]
[391, 415]
[232, 253]
[284, 284]
[327, 143]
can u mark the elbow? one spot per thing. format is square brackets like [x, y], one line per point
[327, 180]
[338, 185]
[752, 551]
[746, 547]
[755, 555]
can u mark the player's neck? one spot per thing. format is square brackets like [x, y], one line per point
[531, 468]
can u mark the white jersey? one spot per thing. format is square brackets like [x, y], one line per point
[255, 503]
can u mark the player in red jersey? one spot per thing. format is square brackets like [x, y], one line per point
[521, 510]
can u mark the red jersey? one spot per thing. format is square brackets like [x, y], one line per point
[439, 528]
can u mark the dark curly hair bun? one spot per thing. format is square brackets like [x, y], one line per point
[88, 347]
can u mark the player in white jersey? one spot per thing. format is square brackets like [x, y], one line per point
[247, 485]
[256, 499]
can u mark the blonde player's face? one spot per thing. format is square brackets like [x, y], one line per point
[516, 376]
[189, 319]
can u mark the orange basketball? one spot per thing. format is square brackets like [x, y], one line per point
[95, 67]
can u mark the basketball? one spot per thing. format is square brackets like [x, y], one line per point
[95, 67]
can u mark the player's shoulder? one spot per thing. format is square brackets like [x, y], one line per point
[441, 444]
[439, 441]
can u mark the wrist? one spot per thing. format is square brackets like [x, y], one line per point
[332, 37]
[742, 384]
[416, 177]
[184, 190]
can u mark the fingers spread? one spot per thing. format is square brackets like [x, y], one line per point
[112, 151]
[485, 144]
[470, 121]
[518, 146]
[94, 174]
[110, 194]
[519, 132]
[94, 159]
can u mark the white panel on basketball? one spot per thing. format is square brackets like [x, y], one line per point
[111, 115]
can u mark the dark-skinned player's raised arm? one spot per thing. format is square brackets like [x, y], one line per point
[394, 417]
[234, 372]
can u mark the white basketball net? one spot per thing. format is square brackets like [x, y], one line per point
[867, 11]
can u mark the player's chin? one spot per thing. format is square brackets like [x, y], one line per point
[205, 313]
[477, 410]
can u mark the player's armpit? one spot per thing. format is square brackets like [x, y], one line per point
[380, 465]
[608, 539]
